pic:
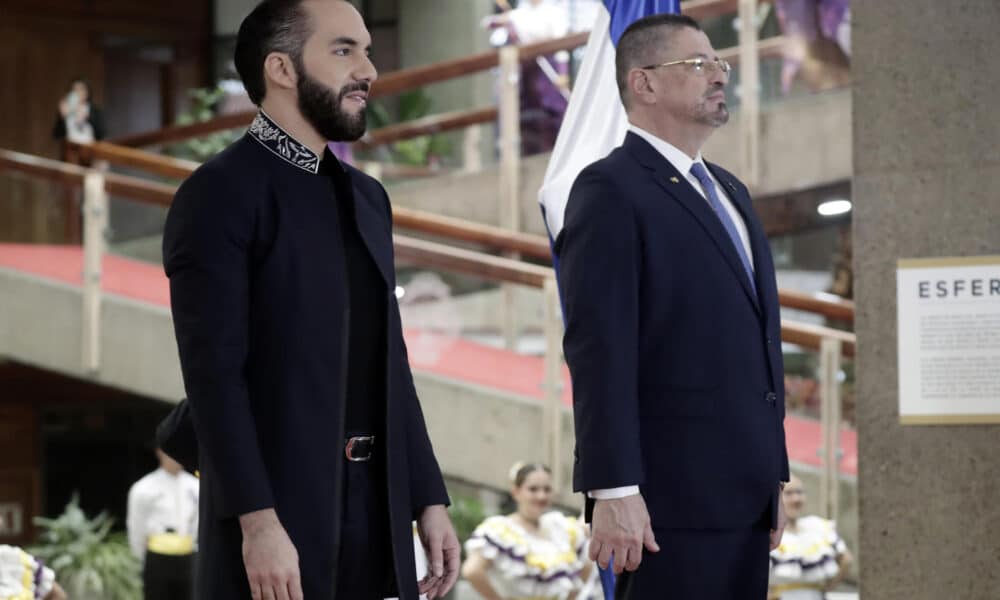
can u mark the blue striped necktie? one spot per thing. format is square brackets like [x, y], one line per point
[698, 170]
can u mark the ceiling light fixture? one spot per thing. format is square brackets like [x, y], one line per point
[832, 208]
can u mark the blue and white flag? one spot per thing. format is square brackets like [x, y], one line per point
[595, 121]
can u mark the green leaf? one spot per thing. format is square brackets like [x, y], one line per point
[87, 556]
[378, 115]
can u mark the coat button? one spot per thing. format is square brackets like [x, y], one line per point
[771, 398]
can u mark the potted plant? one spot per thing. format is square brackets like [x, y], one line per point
[203, 108]
[421, 150]
[90, 562]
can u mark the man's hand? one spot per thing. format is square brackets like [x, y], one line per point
[782, 520]
[271, 560]
[621, 527]
[443, 552]
[57, 593]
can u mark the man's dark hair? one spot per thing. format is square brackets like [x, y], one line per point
[273, 26]
[638, 44]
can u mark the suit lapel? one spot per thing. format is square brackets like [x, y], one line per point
[375, 232]
[677, 186]
[767, 286]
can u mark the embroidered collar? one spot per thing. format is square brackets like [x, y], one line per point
[280, 142]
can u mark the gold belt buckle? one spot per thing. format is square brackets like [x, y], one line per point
[354, 441]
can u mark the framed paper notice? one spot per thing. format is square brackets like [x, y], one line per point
[949, 340]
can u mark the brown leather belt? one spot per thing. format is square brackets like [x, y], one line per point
[359, 448]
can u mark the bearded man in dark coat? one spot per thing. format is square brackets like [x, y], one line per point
[313, 451]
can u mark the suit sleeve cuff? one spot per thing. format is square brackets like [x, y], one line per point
[613, 493]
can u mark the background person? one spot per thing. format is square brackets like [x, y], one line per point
[534, 552]
[162, 524]
[812, 558]
[79, 120]
[24, 577]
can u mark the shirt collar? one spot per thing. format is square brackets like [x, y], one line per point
[681, 161]
[164, 473]
[281, 143]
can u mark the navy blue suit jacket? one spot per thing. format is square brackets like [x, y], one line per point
[676, 363]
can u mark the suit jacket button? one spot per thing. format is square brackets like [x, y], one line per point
[771, 398]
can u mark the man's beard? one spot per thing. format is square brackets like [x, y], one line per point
[321, 106]
[713, 118]
[716, 118]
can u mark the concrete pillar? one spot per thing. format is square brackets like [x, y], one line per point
[228, 14]
[431, 31]
[926, 171]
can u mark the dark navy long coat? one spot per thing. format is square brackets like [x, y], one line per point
[260, 308]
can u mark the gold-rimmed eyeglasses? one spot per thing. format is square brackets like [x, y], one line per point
[699, 65]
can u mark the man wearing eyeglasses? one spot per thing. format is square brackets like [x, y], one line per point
[673, 338]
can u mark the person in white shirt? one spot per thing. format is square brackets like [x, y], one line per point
[544, 89]
[162, 525]
[79, 120]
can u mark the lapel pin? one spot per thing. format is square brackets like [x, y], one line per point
[674, 180]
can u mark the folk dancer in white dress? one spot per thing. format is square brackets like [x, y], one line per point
[24, 577]
[812, 558]
[535, 553]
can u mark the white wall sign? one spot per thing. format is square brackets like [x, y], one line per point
[949, 340]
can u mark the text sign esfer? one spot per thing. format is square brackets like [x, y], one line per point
[949, 340]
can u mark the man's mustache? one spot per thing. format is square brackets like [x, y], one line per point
[715, 89]
[354, 87]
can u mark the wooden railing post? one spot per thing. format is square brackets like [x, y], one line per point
[472, 155]
[553, 380]
[510, 165]
[95, 226]
[72, 205]
[749, 94]
[829, 377]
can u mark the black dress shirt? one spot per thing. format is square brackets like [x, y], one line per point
[367, 329]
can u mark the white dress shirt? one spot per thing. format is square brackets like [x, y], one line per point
[161, 502]
[682, 162]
